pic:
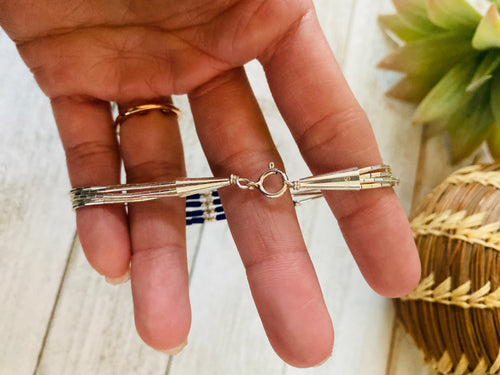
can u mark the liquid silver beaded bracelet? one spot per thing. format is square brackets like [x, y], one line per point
[202, 199]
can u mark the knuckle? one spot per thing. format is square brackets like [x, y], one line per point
[356, 214]
[92, 155]
[154, 170]
[330, 130]
[165, 251]
[216, 83]
[276, 263]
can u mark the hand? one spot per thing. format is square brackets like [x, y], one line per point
[86, 54]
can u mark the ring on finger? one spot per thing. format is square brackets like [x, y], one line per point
[166, 109]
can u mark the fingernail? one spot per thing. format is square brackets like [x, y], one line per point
[119, 280]
[323, 361]
[175, 350]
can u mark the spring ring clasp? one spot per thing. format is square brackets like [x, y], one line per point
[272, 171]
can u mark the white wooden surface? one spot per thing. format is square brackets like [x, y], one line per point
[58, 316]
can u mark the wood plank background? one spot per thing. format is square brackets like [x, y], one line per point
[58, 316]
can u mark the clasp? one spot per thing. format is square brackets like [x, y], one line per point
[244, 183]
[272, 171]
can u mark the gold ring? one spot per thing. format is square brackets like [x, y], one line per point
[142, 109]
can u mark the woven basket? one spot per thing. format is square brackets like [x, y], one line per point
[454, 313]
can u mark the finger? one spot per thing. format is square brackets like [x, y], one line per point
[235, 138]
[152, 152]
[333, 133]
[87, 133]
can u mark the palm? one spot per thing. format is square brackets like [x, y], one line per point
[147, 49]
[136, 52]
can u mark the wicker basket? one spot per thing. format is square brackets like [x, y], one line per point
[454, 313]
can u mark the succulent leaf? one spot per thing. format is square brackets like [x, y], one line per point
[482, 6]
[434, 54]
[496, 2]
[448, 94]
[456, 15]
[487, 34]
[495, 97]
[493, 140]
[414, 12]
[413, 88]
[396, 25]
[470, 124]
[485, 70]
[450, 57]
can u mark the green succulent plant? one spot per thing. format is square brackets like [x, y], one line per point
[450, 57]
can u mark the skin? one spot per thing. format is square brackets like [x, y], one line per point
[85, 54]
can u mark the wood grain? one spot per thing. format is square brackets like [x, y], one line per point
[90, 330]
[36, 221]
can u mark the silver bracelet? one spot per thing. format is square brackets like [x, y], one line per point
[199, 190]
